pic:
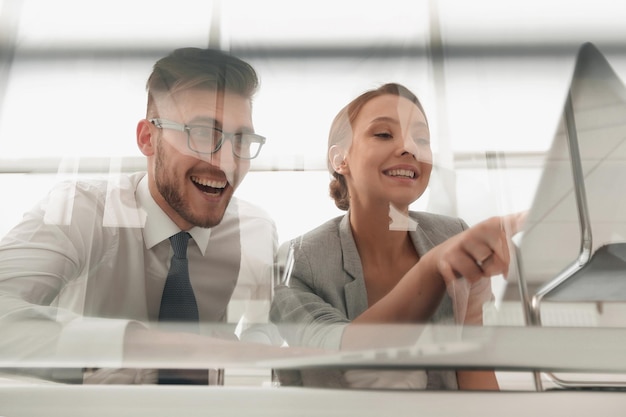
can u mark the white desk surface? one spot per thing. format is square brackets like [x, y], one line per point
[157, 401]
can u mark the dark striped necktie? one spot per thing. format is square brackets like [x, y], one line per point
[178, 304]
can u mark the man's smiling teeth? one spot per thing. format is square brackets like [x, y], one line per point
[401, 173]
[209, 183]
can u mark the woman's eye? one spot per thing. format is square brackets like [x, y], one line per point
[384, 135]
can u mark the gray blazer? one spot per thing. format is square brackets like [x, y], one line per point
[327, 290]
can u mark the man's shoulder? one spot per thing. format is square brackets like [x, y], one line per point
[90, 200]
[100, 186]
[248, 213]
[250, 219]
[248, 210]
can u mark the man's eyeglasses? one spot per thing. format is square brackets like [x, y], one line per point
[209, 139]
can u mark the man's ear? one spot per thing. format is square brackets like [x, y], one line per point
[337, 159]
[144, 137]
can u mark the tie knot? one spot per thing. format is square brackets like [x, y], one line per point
[179, 244]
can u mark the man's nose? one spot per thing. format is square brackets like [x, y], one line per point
[224, 158]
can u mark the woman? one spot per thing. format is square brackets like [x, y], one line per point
[381, 263]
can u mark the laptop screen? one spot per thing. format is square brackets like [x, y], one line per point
[572, 215]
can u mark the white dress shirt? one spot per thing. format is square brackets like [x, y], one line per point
[93, 256]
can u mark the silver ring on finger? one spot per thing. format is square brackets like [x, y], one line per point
[481, 263]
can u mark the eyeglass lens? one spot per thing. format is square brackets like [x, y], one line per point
[206, 139]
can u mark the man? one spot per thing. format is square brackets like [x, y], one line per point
[83, 276]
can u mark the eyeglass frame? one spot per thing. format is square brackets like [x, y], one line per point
[181, 127]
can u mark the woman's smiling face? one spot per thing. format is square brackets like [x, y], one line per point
[389, 159]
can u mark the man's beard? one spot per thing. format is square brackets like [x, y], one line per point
[170, 193]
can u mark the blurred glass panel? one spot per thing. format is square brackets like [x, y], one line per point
[299, 98]
[67, 24]
[532, 24]
[507, 103]
[75, 90]
[73, 107]
[327, 23]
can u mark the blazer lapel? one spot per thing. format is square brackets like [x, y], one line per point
[420, 239]
[354, 291]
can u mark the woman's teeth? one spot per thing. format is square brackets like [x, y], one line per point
[401, 173]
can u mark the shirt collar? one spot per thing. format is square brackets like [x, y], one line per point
[159, 226]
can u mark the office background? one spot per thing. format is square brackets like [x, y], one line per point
[492, 76]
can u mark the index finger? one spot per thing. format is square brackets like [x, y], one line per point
[513, 223]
